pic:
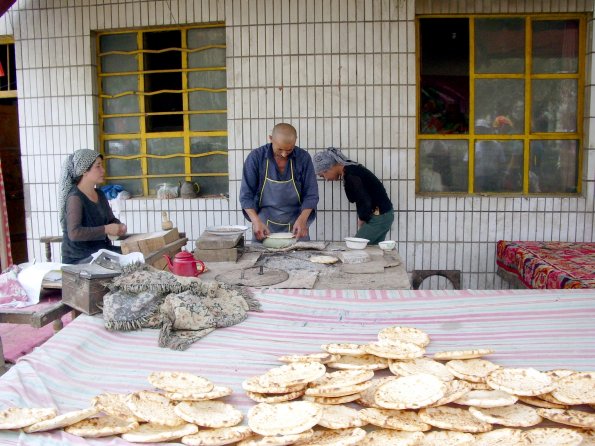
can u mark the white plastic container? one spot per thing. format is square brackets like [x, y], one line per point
[356, 243]
[387, 245]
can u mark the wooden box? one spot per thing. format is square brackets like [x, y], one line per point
[149, 242]
[83, 286]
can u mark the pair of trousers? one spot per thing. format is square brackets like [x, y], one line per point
[377, 227]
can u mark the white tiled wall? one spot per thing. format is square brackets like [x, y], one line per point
[341, 71]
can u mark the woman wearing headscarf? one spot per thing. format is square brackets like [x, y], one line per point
[85, 215]
[374, 208]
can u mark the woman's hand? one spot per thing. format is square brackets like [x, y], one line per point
[115, 229]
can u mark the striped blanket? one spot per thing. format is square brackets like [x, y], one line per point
[544, 329]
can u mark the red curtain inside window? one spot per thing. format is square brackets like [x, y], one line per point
[5, 5]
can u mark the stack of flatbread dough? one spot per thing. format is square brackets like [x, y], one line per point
[383, 393]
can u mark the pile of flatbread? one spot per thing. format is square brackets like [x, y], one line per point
[383, 393]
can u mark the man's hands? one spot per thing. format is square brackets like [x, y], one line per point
[261, 231]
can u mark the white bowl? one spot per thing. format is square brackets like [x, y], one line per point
[387, 245]
[356, 243]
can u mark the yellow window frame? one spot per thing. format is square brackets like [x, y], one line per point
[143, 136]
[527, 76]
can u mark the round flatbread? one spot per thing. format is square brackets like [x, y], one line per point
[344, 349]
[517, 415]
[114, 404]
[395, 350]
[216, 392]
[578, 388]
[500, 437]
[338, 391]
[421, 365]
[410, 392]
[551, 436]
[214, 414]
[340, 417]
[19, 417]
[391, 437]
[403, 334]
[274, 397]
[325, 260]
[180, 382]
[336, 437]
[526, 382]
[474, 370]
[454, 390]
[332, 400]
[277, 440]
[154, 408]
[337, 381]
[549, 398]
[253, 385]
[60, 421]
[217, 437]
[292, 374]
[367, 397]
[284, 418]
[448, 438]
[97, 427]
[156, 433]
[364, 362]
[576, 418]
[539, 402]
[322, 358]
[404, 420]
[454, 419]
[487, 398]
[463, 354]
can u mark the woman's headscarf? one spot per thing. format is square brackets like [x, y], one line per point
[326, 159]
[74, 166]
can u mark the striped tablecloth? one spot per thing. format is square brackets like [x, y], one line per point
[544, 329]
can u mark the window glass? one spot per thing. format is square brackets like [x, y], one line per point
[113, 85]
[202, 144]
[119, 63]
[212, 57]
[123, 168]
[554, 105]
[500, 45]
[121, 125]
[443, 166]
[118, 42]
[8, 82]
[499, 106]
[165, 166]
[122, 147]
[208, 121]
[498, 166]
[122, 104]
[165, 146]
[553, 166]
[555, 46]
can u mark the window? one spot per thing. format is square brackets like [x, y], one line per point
[163, 107]
[500, 104]
[8, 71]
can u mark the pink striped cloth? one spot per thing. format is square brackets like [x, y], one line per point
[545, 329]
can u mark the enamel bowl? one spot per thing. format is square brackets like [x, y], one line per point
[387, 245]
[279, 240]
[356, 243]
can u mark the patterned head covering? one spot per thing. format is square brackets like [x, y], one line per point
[74, 166]
[327, 158]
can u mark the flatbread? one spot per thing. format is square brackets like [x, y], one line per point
[463, 354]
[344, 349]
[404, 420]
[340, 417]
[336, 437]
[114, 404]
[284, 418]
[526, 382]
[454, 419]
[277, 440]
[367, 397]
[404, 334]
[551, 436]
[292, 374]
[19, 417]
[326, 260]
[487, 398]
[338, 391]
[576, 418]
[339, 380]
[421, 365]
[274, 397]
[322, 358]
[155, 433]
[217, 437]
[474, 370]
[391, 437]
[97, 427]
[154, 408]
[253, 385]
[539, 402]
[578, 388]
[214, 414]
[454, 390]
[517, 415]
[216, 392]
[500, 437]
[549, 398]
[332, 400]
[395, 350]
[60, 421]
[180, 381]
[448, 438]
[410, 392]
[364, 362]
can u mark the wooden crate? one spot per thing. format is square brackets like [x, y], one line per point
[83, 286]
[149, 242]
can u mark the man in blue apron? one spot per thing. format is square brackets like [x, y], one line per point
[279, 192]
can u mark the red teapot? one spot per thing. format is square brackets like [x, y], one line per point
[184, 264]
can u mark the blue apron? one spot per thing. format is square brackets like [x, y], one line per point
[280, 202]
